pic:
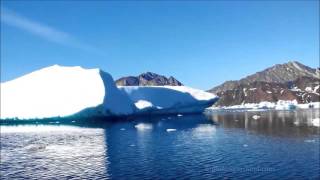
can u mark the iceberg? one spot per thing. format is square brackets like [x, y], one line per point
[59, 91]
[316, 122]
[168, 99]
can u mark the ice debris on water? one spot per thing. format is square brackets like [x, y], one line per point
[143, 126]
[316, 122]
[171, 130]
[256, 117]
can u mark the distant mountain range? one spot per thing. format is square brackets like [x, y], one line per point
[148, 79]
[289, 81]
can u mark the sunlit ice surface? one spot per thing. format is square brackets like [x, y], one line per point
[51, 92]
[59, 91]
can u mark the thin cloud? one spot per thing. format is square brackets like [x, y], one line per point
[46, 32]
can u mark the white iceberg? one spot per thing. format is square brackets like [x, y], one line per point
[316, 122]
[58, 91]
[168, 99]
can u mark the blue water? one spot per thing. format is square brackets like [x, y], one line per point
[221, 145]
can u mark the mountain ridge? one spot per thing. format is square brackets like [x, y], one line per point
[148, 79]
[288, 81]
[279, 73]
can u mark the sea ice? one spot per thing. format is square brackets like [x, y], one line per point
[171, 130]
[143, 126]
[256, 117]
[316, 122]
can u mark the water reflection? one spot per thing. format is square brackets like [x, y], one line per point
[276, 123]
[221, 145]
[53, 151]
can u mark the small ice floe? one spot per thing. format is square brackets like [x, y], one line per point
[245, 145]
[132, 145]
[143, 126]
[57, 122]
[122, 129]
[179, 115]
[169, 117]
[316, 122]
[256, 117]
[73, 121]
[142, 104]
[204, 131]
[310, 141]
[171, 130]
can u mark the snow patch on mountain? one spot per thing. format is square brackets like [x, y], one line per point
[280, 105]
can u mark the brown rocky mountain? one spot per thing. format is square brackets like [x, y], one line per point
[148, 79]
[280, 73]
[290, 81]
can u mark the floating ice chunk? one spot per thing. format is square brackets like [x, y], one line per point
[122, 129]
[316, 122]
[256, 117]
[142, 104]
[245, 145]
[143, 126]
[205, 128]
[171, 130]
[179, 115]
[310, 141]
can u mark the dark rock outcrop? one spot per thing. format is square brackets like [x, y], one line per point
[148, 79]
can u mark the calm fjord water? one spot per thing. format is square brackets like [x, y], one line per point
[280, 144]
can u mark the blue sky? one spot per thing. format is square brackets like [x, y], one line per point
[201, 43]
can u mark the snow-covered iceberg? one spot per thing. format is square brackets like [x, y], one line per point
[58, 91]
[168, 99]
